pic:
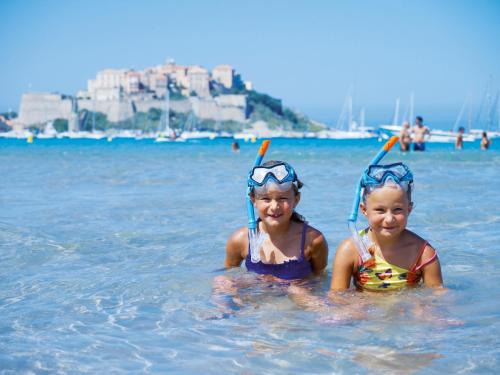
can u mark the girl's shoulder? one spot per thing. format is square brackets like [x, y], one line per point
[314, 234]
[347, 250]
[238, 239]
[315, 239]
[424, 250]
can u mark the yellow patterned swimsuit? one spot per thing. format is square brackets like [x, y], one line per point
[377, 274]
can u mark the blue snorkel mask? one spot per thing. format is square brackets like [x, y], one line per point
[377, 175]
[280, 175]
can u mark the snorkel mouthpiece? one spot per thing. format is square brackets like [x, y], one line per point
[353, 217]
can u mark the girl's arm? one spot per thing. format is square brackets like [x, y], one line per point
[431, 272]
[235, 248]
[343, 265]
[319, 253]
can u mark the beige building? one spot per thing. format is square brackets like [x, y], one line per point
[107, 85]
[223, 74]
[177, 74]
[132, 82]
[155, 81]
[198, 81]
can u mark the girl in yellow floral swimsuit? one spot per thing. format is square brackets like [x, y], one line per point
[400, 257]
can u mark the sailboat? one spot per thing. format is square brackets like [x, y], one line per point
[388, 130]
[436, 136]
[351, 130]
[165, 133]
[488, 114]
[450, 137]
[191, 131]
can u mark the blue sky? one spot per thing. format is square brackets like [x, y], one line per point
[308, 53]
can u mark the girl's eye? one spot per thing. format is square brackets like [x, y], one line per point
[379, 210]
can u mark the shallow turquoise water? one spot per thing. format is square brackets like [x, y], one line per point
[108, 252]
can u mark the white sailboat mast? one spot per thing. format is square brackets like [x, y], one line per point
[165, 116]
[349, 112]
[167, 111]
[411, 116]
[396, 113]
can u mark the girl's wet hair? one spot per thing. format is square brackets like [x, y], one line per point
[296, 187]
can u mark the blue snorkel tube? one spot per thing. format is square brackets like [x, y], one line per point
[253, 236]
[353, 217]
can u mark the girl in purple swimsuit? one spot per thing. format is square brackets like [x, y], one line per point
[291, 249]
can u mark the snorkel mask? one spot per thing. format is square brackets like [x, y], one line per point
[280, 176]
[374, 175]
[378, 175]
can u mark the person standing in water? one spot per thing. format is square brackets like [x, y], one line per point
[419, 132]
[485, 142]
[400, 258]
[404, 137]
[459, 143]
[292, 249]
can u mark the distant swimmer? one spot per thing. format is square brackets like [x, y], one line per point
[459, 143]
[404, 137]
[485, 142]
[419, 132]
[235, 146]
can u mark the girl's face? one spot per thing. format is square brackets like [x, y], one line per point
[387, 210]
[275, 207]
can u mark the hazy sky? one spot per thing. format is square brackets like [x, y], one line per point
[308, 53]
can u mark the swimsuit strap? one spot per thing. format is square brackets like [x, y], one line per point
[413, 277]
[414, 268]
[428, 261]
[303, 239]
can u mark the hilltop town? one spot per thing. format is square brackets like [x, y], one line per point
[195, 99]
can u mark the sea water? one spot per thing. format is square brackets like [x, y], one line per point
[109, 250]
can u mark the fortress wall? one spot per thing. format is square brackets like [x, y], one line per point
[115, 110]
[183, 106]
[42, 107]
[231, 101]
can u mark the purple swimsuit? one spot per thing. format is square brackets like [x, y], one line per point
[292, 269]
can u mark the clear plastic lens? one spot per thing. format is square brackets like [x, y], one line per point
[378, 172]
[279, 172]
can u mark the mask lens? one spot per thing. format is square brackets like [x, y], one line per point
[259, 174]
[280, 172]
[379, 172]
[399, 171]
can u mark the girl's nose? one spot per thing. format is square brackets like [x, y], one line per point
[389, 218]
[274, 204]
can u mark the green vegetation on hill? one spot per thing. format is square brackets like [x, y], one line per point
[60, 125]
[266, 108]
[9, 115]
